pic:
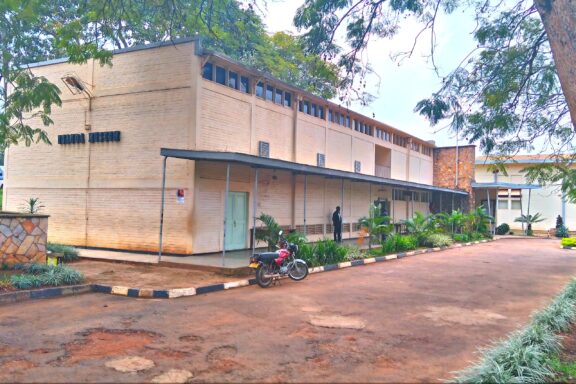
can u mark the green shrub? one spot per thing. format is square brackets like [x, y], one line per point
[562, 232]
[324, 252]
[568, 242]
[69, 253]
[297, 238]
[438, 240]
[475, 236]
[461, 237]
[37, 275]
[502, 229]
[399, 243]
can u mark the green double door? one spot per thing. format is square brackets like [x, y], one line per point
[236, 220]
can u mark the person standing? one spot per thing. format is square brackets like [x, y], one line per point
[337, 224]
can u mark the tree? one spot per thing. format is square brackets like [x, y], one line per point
[529, 220]
[375, 224]
[35, 30]
[420, 226]
[270, 234]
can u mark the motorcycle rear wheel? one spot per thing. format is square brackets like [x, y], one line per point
[261, 278]
[299, 270]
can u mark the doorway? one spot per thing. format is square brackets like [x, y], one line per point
[236, 220]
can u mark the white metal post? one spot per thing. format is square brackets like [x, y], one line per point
[254, 203]
[305, 192]
[226, 192]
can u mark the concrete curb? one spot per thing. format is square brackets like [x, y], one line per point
[183, 292]
[565, 247]
[44, 293]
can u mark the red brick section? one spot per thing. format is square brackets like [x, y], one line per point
[445, 170]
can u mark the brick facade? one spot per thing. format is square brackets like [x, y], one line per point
[444, 168]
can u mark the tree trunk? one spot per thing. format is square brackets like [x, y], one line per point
[559, 19]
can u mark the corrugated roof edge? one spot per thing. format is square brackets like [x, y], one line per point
[522, 161]
[139, 47]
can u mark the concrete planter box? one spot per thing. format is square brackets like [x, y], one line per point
[23, 238]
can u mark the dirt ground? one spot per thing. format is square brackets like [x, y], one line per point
[146, 276]
[413, 320]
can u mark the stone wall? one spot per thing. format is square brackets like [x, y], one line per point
[445, 170]
[23, 238]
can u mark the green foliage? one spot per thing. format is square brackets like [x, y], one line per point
[438, 240]
[32, 206]
[527, 355]
[568, 242]
[375, 225]
[502, 229]
[270, 233]
[36, 275]
[565, 370]
[420, 226]
[478, 220]
[323, 252]
[399, 243]
[461, 237]
[297, 238]
[452, 222]
[69, 253]
[529, 220]
[562, 232]
[559, 221]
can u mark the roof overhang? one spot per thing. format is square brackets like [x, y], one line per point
[504, 186]
[264, 162]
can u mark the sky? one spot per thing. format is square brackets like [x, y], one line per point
[397, 88]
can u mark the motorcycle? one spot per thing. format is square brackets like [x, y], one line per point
[270, 266]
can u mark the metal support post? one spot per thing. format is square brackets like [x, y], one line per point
[162, 208]
[226, 192]
[254, 204]
[305, 192]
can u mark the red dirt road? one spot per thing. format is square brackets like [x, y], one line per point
[424, 318]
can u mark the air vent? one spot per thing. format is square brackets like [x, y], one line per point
[321, 160]
[357, 166]
[263, 149]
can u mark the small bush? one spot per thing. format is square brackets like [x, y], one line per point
[69, 253]
[324, 252]
[37, 275]
[461, 237]
[502, 229]
[399, 243]
[562, 232]
[438, 240]
[568, 242]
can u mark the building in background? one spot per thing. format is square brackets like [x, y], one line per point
[511, 195]
[238, 142]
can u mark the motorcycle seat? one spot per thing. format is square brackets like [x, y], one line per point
[267, 257]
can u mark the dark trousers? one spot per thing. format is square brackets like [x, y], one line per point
[338, 234]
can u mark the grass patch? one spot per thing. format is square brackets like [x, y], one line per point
[564, 370]
[526, 355]
[69, 253]
[42, 275]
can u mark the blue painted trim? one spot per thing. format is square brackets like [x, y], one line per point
[209, 288]
[380, 258]
[331, 267]
[252, 281]
[160, 294]
[357, 262]
[133, 292]
[45, 293]
[401, 255]
[102, 288]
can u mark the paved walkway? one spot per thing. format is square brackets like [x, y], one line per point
[419, 319]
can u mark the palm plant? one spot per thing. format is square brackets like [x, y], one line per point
[529, 220]
[375, 224]
[268, 233]
[480, 220]
[420, 226]
[32, 205]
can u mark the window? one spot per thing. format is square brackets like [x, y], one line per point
[306, 107]
[208, 71]
[244, 84]
[278, 96]
[269, 92]
[313, 109]
[427, 151]
[341, 119]
[287, 99]
[321, 112]
[516, 204]
[260, 90]
[348, 121]
[503, 204]
[220, 75]
[330, 116]
[233, 80]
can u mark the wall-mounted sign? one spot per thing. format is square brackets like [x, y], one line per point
[93, 137]
[104, 137]
[180, 196]
[75, 138]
